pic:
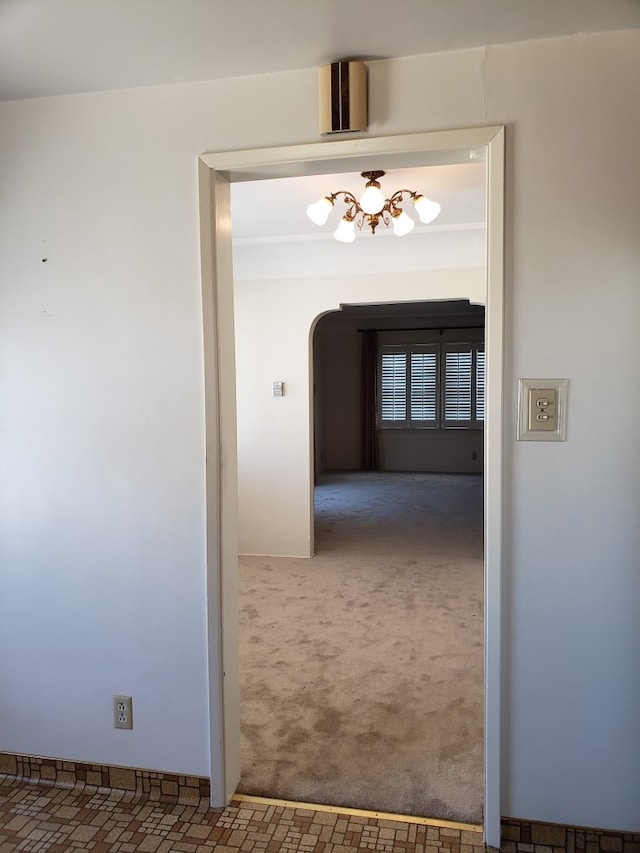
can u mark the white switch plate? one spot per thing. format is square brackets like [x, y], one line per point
[542, 409]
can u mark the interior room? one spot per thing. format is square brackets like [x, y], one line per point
[274, 621]
[126, 128]
[293, 272]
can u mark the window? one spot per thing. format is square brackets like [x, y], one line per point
[434, 386]
[394, 386]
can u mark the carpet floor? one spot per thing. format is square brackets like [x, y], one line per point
[362, 668]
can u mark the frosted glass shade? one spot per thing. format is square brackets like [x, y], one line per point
[319, 211]
[372, 200]
[346, 231]
[426, 209]
[402, 224]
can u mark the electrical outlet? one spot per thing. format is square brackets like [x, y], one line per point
[122, 712]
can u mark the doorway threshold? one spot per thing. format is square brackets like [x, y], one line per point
[343, 810]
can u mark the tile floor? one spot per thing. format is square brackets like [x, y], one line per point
[38, 818]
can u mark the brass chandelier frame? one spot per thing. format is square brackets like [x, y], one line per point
[390, 209]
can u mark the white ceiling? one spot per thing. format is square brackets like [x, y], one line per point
[276, 207]
[274, 238]
[52, 47]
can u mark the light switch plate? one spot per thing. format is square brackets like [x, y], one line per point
[542, 409]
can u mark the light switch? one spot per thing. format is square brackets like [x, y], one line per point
[542, 409]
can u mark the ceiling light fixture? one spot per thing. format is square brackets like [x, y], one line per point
[372, 209]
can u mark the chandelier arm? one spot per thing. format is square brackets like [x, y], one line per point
[397, 197]
[349, 198]
[353, 208]
[391, 209]
[390, 212]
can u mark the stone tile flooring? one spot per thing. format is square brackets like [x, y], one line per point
[38, 818]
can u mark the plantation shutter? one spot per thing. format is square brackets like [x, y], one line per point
[480, 385]
[431, 386]
[458, 386]
[424, 386]
[393, 386]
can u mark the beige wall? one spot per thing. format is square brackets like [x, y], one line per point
[102, 503]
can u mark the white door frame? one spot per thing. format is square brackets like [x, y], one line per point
[216, 171]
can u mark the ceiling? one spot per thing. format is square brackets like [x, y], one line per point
[272, 208]
[274, 238]
[54, 47]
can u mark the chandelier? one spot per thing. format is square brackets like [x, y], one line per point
[372, 209]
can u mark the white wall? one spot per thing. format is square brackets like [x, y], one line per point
[102, 503]
[101, 423]
[274, 434]
[573, 267]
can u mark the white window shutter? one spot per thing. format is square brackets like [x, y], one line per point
[424, 387]
[480, 385]
[458, 386]
[393, 386]
[432, 386]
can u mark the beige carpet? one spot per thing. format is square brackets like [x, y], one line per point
[361, 668]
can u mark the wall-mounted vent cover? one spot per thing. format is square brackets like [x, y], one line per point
[342, 90]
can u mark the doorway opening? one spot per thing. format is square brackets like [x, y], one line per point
[216, 171]
[361, 669]
[406, 521]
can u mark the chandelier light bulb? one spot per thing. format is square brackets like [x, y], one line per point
[426, 209]
[319, 211]
[372, 200]
[346, 231]
[402, 224]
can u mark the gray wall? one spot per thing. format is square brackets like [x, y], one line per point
[337, 356]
